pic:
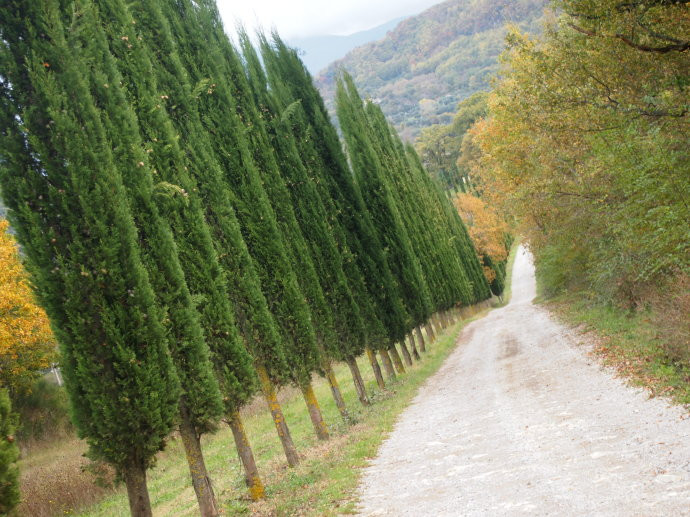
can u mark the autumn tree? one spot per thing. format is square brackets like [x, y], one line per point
[489, 236]
[585, 145]
[27, 344]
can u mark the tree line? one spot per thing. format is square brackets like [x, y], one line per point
[585, 143]
[198, 233]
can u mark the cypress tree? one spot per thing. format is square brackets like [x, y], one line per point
[348, 338]
[72, 216]
[466, 291]
[205, 279]
[9, 454]
[296, 248]
[377, 190]
[242, 283]
[442, 270]
[369, 276]
[204, 42]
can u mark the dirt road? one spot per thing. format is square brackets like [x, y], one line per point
[520, 421]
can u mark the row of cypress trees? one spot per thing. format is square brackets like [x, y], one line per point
[196, 232]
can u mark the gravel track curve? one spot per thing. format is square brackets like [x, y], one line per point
[520, 420]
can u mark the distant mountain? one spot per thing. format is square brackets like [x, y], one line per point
[320, 51]
[430, 62]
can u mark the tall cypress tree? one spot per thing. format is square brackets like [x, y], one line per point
[464, 292]
[377, 190]
[243, 287]
[296, 248]
[157, 139]
[72, 216]
[203, 43]
[369, 276]
[431, 238]
[348, 338]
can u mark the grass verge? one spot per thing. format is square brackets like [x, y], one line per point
[627, 341]
[324, 483]
[508, 291]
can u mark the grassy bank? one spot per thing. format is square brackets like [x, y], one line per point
[627, 341]
[324, 482]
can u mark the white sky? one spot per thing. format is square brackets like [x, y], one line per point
[301, 18]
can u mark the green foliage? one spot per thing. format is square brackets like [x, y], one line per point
[339, 326]
[9, 454]
[592, 159]
[237, 137]
[43, 412]
[72, 215]
[442, 147]
[367, 271]
[446, 53]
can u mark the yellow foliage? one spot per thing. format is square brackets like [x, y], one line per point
[26, 341]
[486, 228]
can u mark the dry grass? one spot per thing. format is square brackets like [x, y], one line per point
[54, 480]
[671, 318]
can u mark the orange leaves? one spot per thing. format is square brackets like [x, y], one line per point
[486, 228]
[26, 341]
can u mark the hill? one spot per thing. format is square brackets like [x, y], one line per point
[430, 62]
[320, 51]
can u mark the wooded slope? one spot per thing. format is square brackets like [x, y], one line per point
[430, 62]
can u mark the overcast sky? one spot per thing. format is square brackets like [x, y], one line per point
[301, 18]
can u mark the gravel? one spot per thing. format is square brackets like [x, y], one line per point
[521, 420]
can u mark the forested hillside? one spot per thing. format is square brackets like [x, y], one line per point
[420, 71]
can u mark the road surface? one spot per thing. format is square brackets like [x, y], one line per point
[521, 421]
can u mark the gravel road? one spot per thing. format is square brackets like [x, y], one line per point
[521, 421]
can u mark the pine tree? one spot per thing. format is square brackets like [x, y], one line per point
[367, 271]
[9, 454]
[70, 210]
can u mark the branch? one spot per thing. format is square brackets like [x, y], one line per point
[682, 46]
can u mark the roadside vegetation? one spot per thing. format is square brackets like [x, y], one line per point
[583, 147]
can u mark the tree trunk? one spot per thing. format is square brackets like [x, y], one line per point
[405, 352]
[387, 364]
[337, 394]
[430, 334]
[377, 369]
[437, 323]
[420, 339]
[208, 506]
[314, 412]
[244, 451]
[357, 379]
[399, 367]
[413, 346]
[137, 492]
[278, 417]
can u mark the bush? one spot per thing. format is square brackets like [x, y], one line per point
[43, 414]
[670, 309]
[9, 474]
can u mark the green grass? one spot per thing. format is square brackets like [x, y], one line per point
[508, 291]
[324, 482]
[629, 342]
